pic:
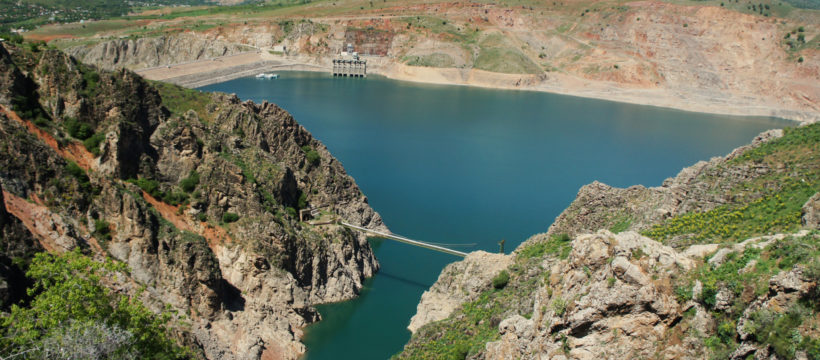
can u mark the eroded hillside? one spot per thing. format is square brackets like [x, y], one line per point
[713, 56]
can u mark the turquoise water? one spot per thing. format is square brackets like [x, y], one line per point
[454, 164]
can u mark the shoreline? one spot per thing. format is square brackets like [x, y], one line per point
[211, 71]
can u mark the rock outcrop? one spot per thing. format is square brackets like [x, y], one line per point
[636, 315]
[811, 212]
[17, 243]
[199, 194]
[156, 51]
[458, 283]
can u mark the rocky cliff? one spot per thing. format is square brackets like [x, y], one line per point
[154, 51]
[718, 262]
[199, 194]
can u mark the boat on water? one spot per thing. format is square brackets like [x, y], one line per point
[267, 76]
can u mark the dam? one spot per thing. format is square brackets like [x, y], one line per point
[350, 67]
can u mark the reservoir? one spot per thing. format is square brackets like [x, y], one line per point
[454, 164]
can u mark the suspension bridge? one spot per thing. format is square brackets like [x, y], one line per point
[426, 245]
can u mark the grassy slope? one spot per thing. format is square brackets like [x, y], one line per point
[768, 203]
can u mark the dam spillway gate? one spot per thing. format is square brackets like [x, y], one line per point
[351, 68]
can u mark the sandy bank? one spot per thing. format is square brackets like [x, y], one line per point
[211, 71]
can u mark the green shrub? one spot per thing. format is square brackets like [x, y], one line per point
[559, 306]
[311, 154]
[229, 217]
[149, 186]
[780, 331]
[291, 212]
[202, 216]
[623, 223]
[102, 230]
[559, 244]
[178, 100]
[726, 332]
[302, 202]
[12, 37]
[189, 183]
[78, 129]
[175, 198]
[92, 144]
[91, 80]
[78, 173]
[41, 122]
[683, 293]
[69, 298]
[501, 280]
[812, 273]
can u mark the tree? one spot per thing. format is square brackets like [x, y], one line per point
[71, 311]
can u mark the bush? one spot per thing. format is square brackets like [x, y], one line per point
[102, 230]
[812, 273]
[501, 280]
[149, 186]
[91, 79]
[11, 37]
[92, 144]
[78, 129]
[302, 202]
[78, 173]
[684, 293]
[312, 155]
[175, 198]
[778, 330]
[202, 216]
[189, 183]
[559, 244]
[229, 217]
[41, 122]
[71, 309]
[559, 305]
[726, 332]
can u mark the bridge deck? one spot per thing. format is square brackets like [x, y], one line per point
[406, 240]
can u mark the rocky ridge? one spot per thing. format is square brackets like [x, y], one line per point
[198, 194]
